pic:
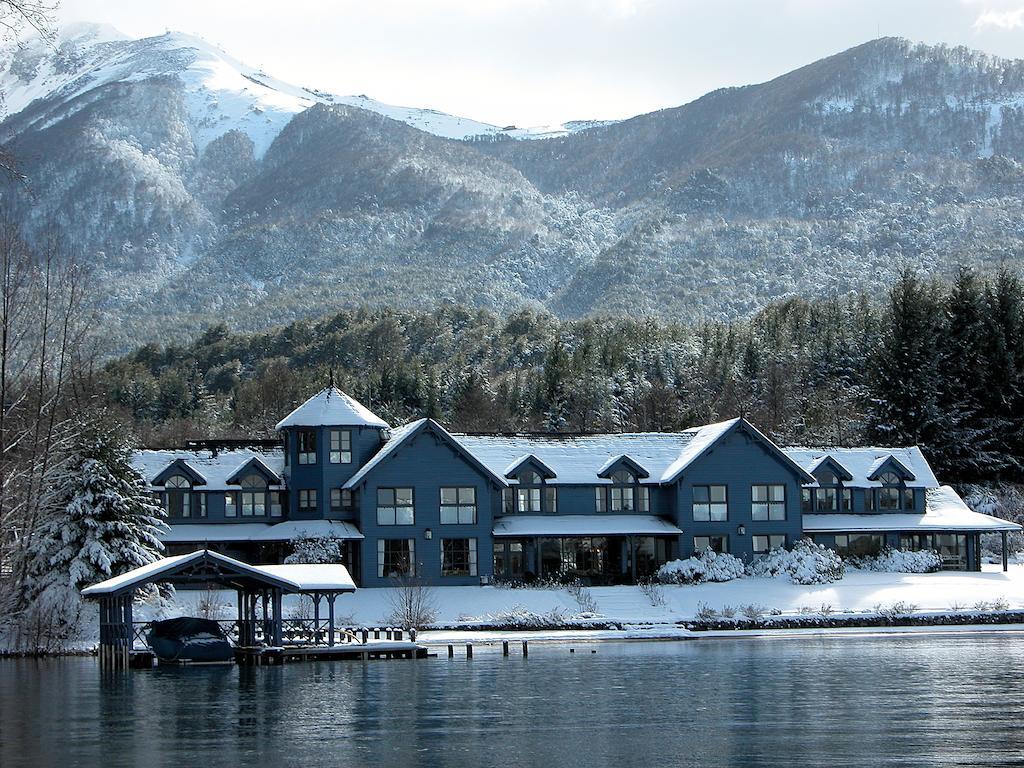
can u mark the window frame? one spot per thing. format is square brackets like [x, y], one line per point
[471, 556]
[382, 555]
[394, 506]
[710, 503]
[459, 505]
[771, 506]
[723, 537]
[306, 446]
[307, 500]
[339, 446]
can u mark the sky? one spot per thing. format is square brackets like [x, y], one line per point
[542, 62]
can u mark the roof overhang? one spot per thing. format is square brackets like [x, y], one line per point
[583, 525]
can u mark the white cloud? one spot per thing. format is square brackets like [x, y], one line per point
[1010, 19]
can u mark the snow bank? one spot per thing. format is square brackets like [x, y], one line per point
[710, 566]
[806, 563]
[898, 561]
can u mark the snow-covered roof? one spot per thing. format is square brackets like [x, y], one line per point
[577, 459]
[332, 408]
[329, 577]
[701, 439]
[168, 566]
[216, 470]
[403, 433]
[290, 530]
[584, 525]
[332, 577]
[944, 511]
[863, 462]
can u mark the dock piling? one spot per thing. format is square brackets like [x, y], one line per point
[504, 647]
[451, 651]
[526, 650]
[469, 650]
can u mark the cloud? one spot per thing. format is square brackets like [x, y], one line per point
[1012, 19]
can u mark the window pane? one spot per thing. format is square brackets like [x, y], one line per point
[403, 496]
[700, 493]
[385, 497]
[760, 493]
[718, 493]
[449, 496]
[551, 499]
[467, 495]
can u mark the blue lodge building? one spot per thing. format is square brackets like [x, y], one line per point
[457, 509]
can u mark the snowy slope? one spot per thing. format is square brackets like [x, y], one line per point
[221, 92]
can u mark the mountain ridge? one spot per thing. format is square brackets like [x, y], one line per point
[824, 180]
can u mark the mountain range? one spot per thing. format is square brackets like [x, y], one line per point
[201, 189]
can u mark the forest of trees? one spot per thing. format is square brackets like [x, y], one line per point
[937, 364]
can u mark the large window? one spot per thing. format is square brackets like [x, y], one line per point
[394, 506]
[623, 492]
[710, 503]
[306, 439]
[768, 502]
[458, 557]
[719, 544]
[307, 500]
[178, 496]
[858, 544]
[253, 496]
[892, 496]
[396, 557]
[532, 495]
[765, 544]
[827, 499]
[341, 447]
[458, 506]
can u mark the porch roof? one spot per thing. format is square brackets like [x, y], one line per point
[285, 531]
[944, 511]
[584, 525]
[206, 566]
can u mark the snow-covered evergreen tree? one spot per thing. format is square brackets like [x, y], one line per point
[105, 523]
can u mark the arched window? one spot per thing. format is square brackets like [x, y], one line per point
[894, 494]
[178, 496]
[532, 495]
[626, 494]
[254, 495]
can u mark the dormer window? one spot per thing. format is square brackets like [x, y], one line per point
[253, 496]
[893, 495]
[306, 444]
[341, 446]
[178, 496]
[625, 495]
[531, 495]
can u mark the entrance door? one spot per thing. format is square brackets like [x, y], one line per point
[509, 560]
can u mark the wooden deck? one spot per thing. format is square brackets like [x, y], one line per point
[385, 649]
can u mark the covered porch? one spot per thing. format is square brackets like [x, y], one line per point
[596, 549]
[260, 620]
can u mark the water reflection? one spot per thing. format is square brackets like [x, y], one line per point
[843, 702]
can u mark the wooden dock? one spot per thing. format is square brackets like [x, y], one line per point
[385, 649]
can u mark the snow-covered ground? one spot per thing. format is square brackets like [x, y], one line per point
[858, 591]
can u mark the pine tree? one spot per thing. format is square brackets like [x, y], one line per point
[106, 523]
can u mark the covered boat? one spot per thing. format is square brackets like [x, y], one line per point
[190, 639]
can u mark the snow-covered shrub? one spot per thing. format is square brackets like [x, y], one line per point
[900, 561]
[584, 597]
[315, 549]
[653, 592]
[806, 563]
[520, 616]
[710, 566]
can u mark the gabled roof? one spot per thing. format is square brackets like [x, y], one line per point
[332, 408]
[706, 437]
[622, 459]
[404, 434]
[177, 467]
[889, 463]
[516, 467]
[216, 469]
[827, 461]
[864, 462]
[254, 464]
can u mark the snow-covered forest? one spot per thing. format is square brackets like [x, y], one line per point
[938, 364]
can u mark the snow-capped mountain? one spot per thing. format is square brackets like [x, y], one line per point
[201, 189]
[222, 93]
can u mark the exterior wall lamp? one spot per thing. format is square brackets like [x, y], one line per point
[428, 534]
[742, 530]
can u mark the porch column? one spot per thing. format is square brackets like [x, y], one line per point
[316, 617]
[632, 558]
[1006, 555]
[331, 596]
[278, 637]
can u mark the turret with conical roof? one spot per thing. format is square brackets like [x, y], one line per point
[327, 439]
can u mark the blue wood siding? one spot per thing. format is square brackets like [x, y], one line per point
[426, 464]
[738, 462]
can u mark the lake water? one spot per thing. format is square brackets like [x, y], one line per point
[865, 701]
